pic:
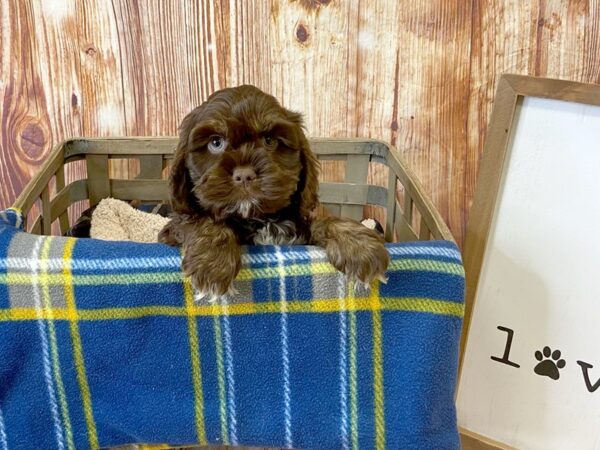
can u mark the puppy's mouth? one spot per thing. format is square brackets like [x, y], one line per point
[263, 196]
[244, 201]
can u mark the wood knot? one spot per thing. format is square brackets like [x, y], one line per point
[394, 125]
[74, 100]
[33, 141]
[90, 50]
[302, 33]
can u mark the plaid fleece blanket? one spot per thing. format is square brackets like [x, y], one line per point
[102, 344]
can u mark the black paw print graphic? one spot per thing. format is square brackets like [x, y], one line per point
[549, 363]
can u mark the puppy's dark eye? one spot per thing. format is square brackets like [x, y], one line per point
[217, 144]
[270, 142]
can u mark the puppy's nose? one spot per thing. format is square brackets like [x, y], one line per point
[243, 175]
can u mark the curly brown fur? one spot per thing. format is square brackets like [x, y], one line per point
[244, 173]
[352, 248]
[210, 246]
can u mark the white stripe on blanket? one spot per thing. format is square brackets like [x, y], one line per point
[285, 353]
[230, 378]
[343, 363]
[3, 438]
[174, 262]
[34, 265]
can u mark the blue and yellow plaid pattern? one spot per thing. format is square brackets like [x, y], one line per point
[102, 344]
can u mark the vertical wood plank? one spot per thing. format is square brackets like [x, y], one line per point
[100, 75]
[357, 169]
[46, 214]
[60, 184]
[313, 54]
[390, 216]
[57, 52]
[98, 178]
[430, 106]
[25, 132]
[424, 232]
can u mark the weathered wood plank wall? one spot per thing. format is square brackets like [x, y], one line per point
[420, 74]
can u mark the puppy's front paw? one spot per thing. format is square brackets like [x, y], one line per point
[170, 234]
[359, 253]
[211, 272]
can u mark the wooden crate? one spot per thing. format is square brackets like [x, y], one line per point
[404, 209]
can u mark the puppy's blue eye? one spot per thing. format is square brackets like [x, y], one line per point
[217, 144]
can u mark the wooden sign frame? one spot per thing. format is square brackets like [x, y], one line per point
[510, 92]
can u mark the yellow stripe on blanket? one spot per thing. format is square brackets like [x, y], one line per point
[86, 397]
[378, 369]
[188, 311]
[317, 268]
[47, 311]
[408, 304]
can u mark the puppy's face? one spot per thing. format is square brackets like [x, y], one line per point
[240, 153]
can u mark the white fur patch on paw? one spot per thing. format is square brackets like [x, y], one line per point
[361, 287]
[369, 223]
[205, 298]
[373, 225]
[209, 298]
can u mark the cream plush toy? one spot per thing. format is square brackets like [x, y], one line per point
[116, 220]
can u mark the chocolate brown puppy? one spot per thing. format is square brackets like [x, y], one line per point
[244, 173]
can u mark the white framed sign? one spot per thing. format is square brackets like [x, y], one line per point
[530, 373]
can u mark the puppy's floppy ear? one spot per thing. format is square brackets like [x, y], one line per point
[180, 183]
[309, 179]
[308, 186]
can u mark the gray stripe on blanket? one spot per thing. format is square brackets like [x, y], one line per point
[22, 295]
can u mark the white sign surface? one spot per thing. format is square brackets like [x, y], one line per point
[531, 374]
